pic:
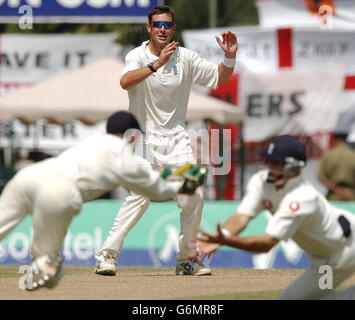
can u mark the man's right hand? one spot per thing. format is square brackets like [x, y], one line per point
[207, 249]
[165, 54]
[204, 248]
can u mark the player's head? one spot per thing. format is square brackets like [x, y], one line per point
[161, 25]
[157, 10]
[285, 157]
[340, 136]
[121, 123]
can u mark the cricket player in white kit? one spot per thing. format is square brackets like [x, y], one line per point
[53, 191]
[158, 76]
[300, 212]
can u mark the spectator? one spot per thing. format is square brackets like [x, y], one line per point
[337, 170]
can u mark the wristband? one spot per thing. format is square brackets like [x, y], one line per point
[226, 232]
[229, 62]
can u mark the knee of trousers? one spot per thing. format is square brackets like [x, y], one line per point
[137, 199]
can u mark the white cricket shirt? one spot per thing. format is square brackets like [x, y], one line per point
[160, 101]
[103, 162]
[299, 212]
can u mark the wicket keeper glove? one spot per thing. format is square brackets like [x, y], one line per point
[192, 175]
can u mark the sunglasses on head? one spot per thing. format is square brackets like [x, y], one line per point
[159, 24]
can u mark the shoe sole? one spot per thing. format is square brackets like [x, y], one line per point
[50, 283]
[186, 273]
[53, 282]
[194, 274]
[105, 272]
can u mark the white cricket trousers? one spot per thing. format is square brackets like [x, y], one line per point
[133, 209]
[52, 200]
[307, 286]
[310, 285]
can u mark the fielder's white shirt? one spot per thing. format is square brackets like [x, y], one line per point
[103, 162]
[299, 212]
[160, 101]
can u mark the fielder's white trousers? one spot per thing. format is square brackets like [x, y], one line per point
[52, 200]
[307, 286]
[310, 286]
[133, 209]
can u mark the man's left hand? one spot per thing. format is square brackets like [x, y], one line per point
[229, 44]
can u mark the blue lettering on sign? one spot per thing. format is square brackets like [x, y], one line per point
[78, 8]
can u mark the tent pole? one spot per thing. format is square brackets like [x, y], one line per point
[241, 160]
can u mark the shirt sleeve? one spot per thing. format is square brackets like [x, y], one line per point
[131, 62]
[283, 226]
[290, 215]
[204, 73]
[251, 204]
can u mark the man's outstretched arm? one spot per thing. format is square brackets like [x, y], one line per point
[229, 45]
[262, 243]
[233, 226]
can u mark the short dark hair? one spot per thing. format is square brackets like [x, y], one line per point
[160, 10]
[339, 135]
[121, 121]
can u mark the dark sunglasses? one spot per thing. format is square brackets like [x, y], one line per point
[159, 24]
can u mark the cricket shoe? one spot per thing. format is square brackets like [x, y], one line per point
[192, 267]
[106, 263]
[46, 271]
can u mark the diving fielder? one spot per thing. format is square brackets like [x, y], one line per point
[158, 76]
[54, 190]
[300, 212]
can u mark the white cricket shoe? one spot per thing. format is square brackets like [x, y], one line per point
[46, 271]
[106, 263]
[192, 267]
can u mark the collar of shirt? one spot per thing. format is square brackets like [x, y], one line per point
[290, 184]
[150, 56]
[293, 182]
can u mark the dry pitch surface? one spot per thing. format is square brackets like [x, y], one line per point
[137, 283]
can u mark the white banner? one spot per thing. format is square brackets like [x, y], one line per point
[297, 102]
[45, 135]
[318, 47]
[257, 49]
[270, 50]
[26, 59]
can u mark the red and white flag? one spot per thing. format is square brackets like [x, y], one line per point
[274, 50]
[291, 101]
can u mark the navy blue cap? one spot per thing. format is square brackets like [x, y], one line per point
[283, 147]
[340, 135]
[121, 121]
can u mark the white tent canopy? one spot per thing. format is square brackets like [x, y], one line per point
[90, 94]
